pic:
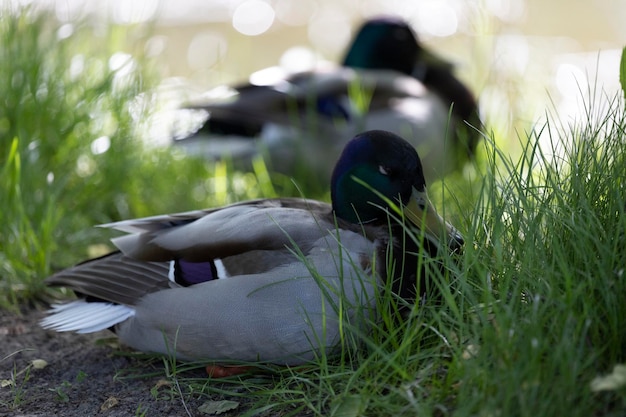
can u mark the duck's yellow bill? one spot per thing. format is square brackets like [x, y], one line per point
[422, 213]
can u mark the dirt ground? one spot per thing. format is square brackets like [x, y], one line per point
[80, 376]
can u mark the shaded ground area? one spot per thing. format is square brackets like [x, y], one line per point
[81, 377]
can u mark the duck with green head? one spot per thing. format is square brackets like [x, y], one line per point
[390, 43]
[261, 280]
[387, 80]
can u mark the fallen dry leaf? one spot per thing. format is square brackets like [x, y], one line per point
[611, 382]
[218, 407]
[109, 403]
[38, 363]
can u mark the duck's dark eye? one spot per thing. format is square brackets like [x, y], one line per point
[383, 170]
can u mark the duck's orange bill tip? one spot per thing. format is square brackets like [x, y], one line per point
[219, 371]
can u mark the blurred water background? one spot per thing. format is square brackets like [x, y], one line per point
[522, 58]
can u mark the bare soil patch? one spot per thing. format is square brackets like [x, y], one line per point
[82, 376]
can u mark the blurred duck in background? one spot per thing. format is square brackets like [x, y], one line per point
[298, 124]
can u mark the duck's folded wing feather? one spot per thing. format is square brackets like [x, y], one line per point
[115, 277]
[296, 95]
[165, 221]
[81, 316]
[235, 229]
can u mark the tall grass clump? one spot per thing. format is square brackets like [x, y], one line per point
[549, 257]
[69, 149]
[66, 142]
[76, 103]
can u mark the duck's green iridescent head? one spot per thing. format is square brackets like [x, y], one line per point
[376, 163]
[384, 43]
[383, 161]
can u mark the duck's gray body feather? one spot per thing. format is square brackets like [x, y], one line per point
[284, 315]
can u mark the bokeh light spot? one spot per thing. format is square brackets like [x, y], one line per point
[120, 60]
[512, 54]
[507, 10]
[297, 59]
[267, 76]
[571, 81]
[155, 45]
[436, 18]
[77, 66]
[100, 145]
[295, 13]
[65, 31]
[253, 17]
[329, 30]
[206, 49]
[136, 11]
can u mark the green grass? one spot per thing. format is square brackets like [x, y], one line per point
[529, 315]
[60, 99]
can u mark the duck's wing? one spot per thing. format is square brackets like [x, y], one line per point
[184, 248]
[326, 94]
[271, 224]
[114, 277]
[288, 102]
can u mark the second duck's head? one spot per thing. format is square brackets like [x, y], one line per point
[378, 170]
[384, 43]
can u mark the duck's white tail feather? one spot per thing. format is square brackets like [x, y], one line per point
[82, 317]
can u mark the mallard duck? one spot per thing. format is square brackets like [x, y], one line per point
[261, 280]
[390, 43]
[387, 81]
